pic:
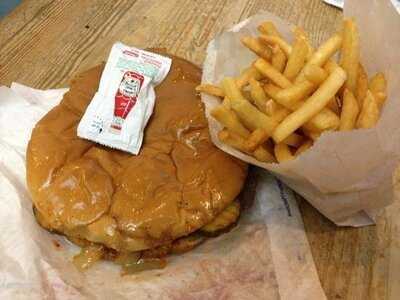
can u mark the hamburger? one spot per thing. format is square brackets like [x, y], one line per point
[134, 209]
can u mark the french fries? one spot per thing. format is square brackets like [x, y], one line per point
[291, 96]
[246, 75]
[227, 103]
[350, 111]
[299, 33]
[262, 154]
[270, 107]
[257, 47]
[377, 86]
[210, 89]
[256, 138]
[279, 106]
[282, 152]
[362, 85]
[294, 140]
[297, 59]
[276, 40]
[232, 139]
[258, 95]
[280, 113]
[324, 120]
[265, 68]
[268, 28]
[313, 135]
[251, 117]
[312, 106]
[369, 114]
[228, 118]
[271, 90]
[350, 54]
[323, 54]
[279, 59]
[334, 106]
[304, 147]
[315, 74]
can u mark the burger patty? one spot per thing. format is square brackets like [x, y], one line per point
[177, 184]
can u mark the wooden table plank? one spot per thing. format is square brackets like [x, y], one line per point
[44, 42]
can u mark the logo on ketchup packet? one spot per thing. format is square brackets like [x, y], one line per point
[126, 97]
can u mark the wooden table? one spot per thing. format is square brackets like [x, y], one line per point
[44, 42]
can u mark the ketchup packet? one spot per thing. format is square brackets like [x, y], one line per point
[120, 109]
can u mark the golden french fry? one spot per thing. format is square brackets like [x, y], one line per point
[324, 120]
[330, 66]
[275, 110]
[246, 74]
[369, 114]
[279, 59]
[271, 90]
[283, 153]
[262, 154]
[269, 71]
[322, 54]
[226, 103]
[304, 147]
[229, 119]
[294, 140]
[257, 47]
[312, 106]
[315, 74]
[280, 113]
[247, 95]
[333, 105]
[256, 138]
[268, 28]
[290, 97]
[377, 85]
[270, 107]
[276, 40]
[251, 117]
[210, 89]
[239, 143]
[313, 135]
[258, 95]
[233, 140]
[297, 59]
[299, 33]
[350, 54]
[362, 85]
[350, 111]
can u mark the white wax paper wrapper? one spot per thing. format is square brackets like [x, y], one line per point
[266, 256]
[347, 176]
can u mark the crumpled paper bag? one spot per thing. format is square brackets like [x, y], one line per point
[266, 256]
[347, 176]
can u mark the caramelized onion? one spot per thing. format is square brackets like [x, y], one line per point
[144, 265]
[88, 256]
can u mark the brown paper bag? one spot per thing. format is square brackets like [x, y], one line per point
[347, 176]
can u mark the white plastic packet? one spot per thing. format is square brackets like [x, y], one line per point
[119, 111]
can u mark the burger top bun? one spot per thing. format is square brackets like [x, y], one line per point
[179, 182]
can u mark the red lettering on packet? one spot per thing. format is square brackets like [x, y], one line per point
[126, 97]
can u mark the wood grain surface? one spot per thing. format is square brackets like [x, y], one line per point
[43, 43]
